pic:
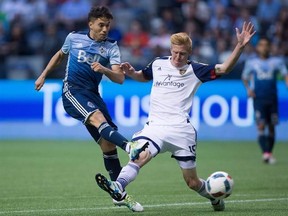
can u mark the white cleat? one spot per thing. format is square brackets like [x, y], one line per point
[268, 158]
[218, 205]
[129, 203]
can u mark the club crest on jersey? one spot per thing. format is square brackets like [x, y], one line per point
[102, 50]
[182, 71]
[90, 104]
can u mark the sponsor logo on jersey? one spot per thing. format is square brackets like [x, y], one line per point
[86, 57]
[168, 82]
[265, 76]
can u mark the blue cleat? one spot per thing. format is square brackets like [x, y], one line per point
[136, 147]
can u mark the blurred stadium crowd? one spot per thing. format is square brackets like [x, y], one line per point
[31, 31]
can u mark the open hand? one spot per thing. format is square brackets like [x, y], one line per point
[246, 34]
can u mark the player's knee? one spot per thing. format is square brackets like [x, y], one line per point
[144, 157]
[96, 118]
[261, 126]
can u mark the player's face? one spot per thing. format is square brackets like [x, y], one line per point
[180, 55]
[99, 28]
[263, 48]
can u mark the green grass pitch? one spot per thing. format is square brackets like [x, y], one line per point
[57, 178]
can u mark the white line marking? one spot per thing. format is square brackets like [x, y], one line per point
[145, 206]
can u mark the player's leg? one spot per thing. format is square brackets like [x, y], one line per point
[112, 165]
[272, 122]
[110, 155]
[182, 143]
[130, 171]
[91, 109]
[98, 120]
[198, 185]
[116, 189]
[128, 174]
[105, 127]
[260, 118]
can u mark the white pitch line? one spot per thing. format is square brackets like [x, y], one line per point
[145, 206]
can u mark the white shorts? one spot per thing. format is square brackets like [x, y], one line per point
[180, 140]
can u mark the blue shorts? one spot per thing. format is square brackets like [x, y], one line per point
[266, 111]
[80, 103]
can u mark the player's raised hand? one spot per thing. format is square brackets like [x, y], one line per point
[246, 34]
[127, 68]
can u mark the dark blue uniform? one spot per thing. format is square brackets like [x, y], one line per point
[80, 87]
[263, 76]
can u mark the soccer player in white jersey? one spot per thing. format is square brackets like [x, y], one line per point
[175, 81]
[90, 56]
[260, 79]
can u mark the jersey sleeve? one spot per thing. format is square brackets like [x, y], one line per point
[204, 72]
[282, 67]
[115, 56]
[247, 70]
[147, 71]
[66, 46]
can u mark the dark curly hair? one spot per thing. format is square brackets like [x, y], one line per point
[98, 12]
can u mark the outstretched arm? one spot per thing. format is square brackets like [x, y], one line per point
[131, 72]
[53, 63]
[115, 74]
[243, 38]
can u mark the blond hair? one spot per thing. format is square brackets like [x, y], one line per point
[181, 38]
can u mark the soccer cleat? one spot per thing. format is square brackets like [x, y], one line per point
[272, 160]
[268, 158]
[111, 187]
[265, 157]
[219, 205]
[136, 147]
[130, 203]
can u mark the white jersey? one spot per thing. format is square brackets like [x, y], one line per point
[173, 89]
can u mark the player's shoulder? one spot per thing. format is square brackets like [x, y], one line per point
[110, 40]
[276, 58]
[196, 63]
[160, 60]
[77, 34]
[252, 60]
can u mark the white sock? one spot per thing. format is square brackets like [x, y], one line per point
[128, 174]
[202, 191]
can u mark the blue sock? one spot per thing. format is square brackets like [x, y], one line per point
[262, 140]
[111, 135]
[270, 141]
[112, 164]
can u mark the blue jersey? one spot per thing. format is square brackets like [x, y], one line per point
[262, 74]
[83, 51]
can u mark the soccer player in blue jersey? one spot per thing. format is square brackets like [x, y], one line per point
[90, 56]
[175, 81]
[260, 79]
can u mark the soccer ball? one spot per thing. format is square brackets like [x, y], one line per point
[219, 185]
